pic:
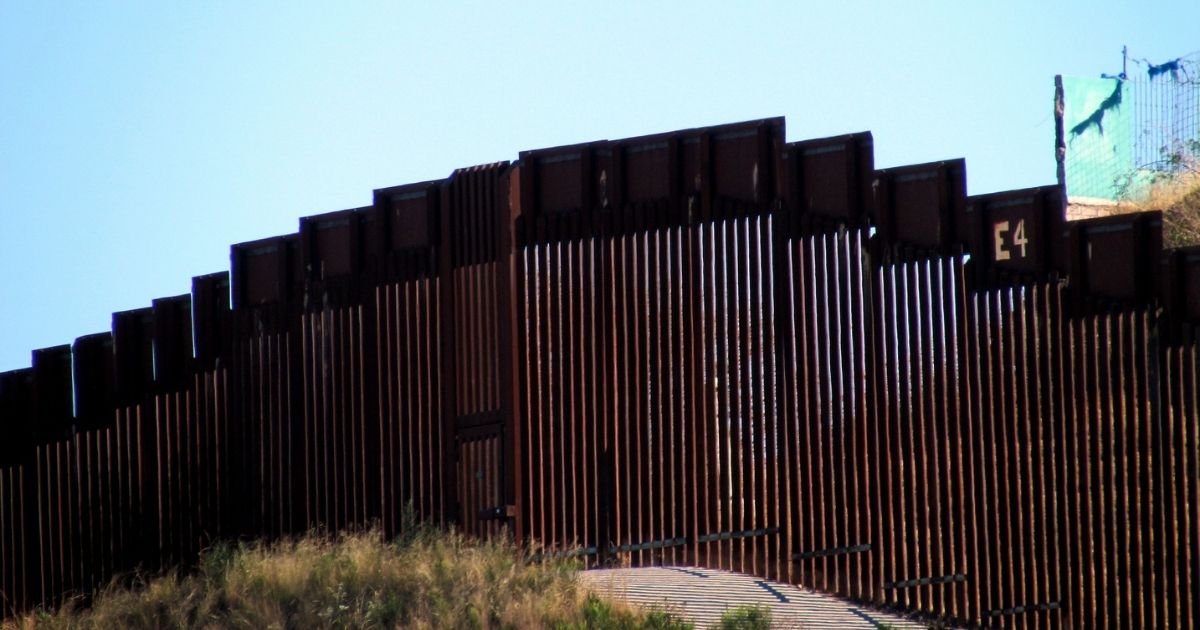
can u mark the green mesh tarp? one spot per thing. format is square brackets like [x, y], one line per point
[1119, 136]
[1098, 137]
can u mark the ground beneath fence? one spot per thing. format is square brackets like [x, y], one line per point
[702, 595]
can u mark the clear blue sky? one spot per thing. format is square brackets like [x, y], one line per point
[138, 140]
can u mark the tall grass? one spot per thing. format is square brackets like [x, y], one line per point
[358, 580]
[1177, 196]
[1181, 214]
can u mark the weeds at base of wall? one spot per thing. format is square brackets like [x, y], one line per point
[425, 579]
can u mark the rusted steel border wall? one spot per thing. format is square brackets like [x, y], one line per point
[705, 347]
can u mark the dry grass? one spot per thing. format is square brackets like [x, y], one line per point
[1181, 214]
[429, 580]
[1178, 198]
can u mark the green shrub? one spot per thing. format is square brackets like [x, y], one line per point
[746, 617]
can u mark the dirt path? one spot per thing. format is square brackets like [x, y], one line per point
[702, 595]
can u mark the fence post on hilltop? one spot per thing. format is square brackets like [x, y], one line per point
[132, 348]
[21, 568]
[53, 420]
[508, 287]
[445, 273]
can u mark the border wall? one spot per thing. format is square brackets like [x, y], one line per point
[708, 347]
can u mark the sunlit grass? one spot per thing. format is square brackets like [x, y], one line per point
[358, 580]
[1178, 198]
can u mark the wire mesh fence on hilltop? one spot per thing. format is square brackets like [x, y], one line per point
[1120, 134]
